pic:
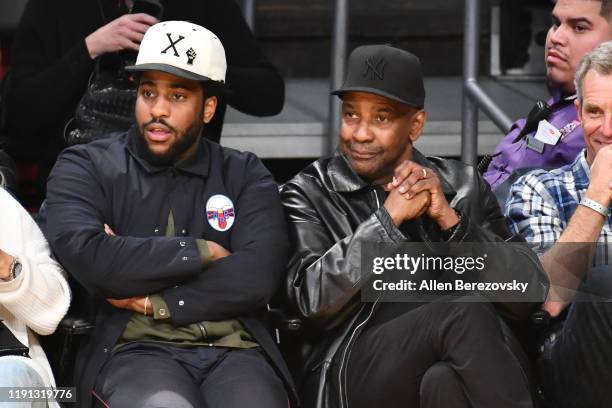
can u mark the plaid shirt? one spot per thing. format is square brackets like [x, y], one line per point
[541, 203]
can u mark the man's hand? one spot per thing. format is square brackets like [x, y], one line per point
[600, 182]
[553, 308]
[411, 179]
[135, 304]
[5, 263]
[216, 251]
[401, 208]
[123, 33]
[557, 300]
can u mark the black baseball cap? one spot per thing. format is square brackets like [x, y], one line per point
[386, 71]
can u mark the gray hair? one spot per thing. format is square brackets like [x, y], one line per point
[599, 60]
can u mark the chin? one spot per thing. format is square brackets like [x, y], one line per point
[561, 81]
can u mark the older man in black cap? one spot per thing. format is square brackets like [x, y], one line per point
[378, 188]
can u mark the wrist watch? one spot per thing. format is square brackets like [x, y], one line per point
[14, 269]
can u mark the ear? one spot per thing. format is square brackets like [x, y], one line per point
[578, 109]
[417, 125]
[210, 106]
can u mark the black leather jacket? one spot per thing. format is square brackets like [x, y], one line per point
[331, 210]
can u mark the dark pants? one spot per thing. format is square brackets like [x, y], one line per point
[155, 375]
[437, 355]
[576, 368]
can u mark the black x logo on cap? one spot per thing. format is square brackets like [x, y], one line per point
[374, 68]
[172, 44]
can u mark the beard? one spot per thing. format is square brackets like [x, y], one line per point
[183, 142]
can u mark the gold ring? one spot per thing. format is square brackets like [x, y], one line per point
[424, 173]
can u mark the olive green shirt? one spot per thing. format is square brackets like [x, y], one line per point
[159, 327]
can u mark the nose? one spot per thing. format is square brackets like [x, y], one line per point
[362, 132]
[606, 126]
[558, 35]
[160, 108]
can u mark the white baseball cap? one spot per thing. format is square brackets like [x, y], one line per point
[183, 49]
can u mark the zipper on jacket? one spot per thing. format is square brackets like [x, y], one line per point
[376, 198]
[347, 352]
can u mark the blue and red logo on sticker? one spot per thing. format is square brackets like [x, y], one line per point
[220, 212]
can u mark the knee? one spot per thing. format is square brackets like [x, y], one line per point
[438, 379]
[161, 398]
[439, 384]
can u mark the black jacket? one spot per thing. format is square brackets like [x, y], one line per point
[331, 211]
[108, 182]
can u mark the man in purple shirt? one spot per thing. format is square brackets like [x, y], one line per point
[578, 26]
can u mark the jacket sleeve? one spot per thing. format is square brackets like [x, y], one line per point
[256, 86]
[324, 271]
[39, 296]
[110, 266]
[38, 74]
[242, 283]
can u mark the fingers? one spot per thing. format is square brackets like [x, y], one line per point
[420, 179]
[135, 304]
[429, 184]
[402, 172]
[108, 230]
[127, 44]
[142, 18]
[123, 33]
[553, 308]
[402, 210]
[133, 31]
[407, 175]
[119, 303]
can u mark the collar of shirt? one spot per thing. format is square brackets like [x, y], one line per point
[197, 164]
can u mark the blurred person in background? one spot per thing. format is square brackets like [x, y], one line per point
[58, 41]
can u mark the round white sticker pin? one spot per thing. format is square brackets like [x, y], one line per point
[220, 212]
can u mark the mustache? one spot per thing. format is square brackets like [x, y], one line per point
[363, 147]
[158, 121]
[557, 51]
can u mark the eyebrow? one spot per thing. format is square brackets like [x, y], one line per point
[576, 20]
[382, 105]
[572, 20]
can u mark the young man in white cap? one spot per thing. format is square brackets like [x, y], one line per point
[180, 241]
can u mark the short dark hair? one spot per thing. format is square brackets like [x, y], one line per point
[606, 9]
[213, 88]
